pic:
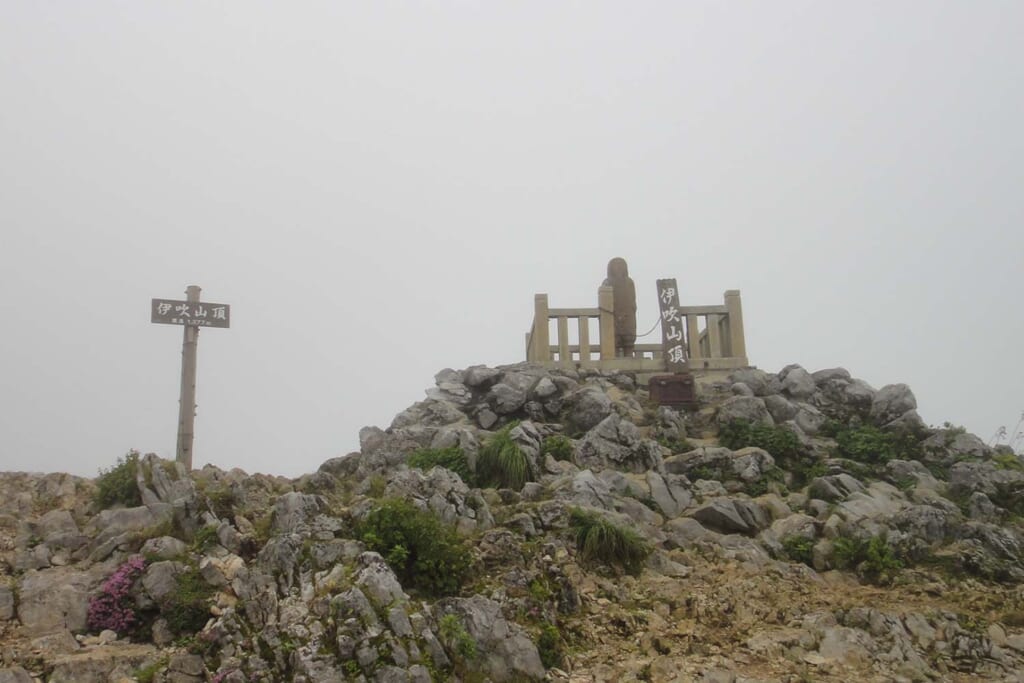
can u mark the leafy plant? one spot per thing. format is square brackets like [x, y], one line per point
[113, 608]
[874, 446]
[452, 458]
[419, 548]
[799, 549]
[454, 635]
[117, 486]
[502, 463]
[549, 645]
[601, 540]
[872, 558]
[558, 447]
[1008, 461]
[675, 444]
[188, 608]
[147, 673]
[780, 442]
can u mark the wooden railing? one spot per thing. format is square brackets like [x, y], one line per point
[714, 336]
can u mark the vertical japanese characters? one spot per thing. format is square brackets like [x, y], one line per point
[672, 339]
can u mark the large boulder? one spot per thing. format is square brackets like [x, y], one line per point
[732, 515]
[616, 443]
[759, 381]
[505, 650]
[587, 407]
[891, 402]
[798, 383]
[54, 599]
[746, 408]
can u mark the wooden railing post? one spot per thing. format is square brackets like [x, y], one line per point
[540, 345]
[693, 338]
[714, 340]
[606, 304]
[584, 326]
[737, 342]
[564, 354]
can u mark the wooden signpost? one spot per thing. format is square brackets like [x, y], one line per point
[192, 314]
[677, 389]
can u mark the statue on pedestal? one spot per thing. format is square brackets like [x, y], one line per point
[624, 296]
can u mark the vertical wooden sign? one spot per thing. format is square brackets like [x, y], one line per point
[673, 342]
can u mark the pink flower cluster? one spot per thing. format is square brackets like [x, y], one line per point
[112, 608]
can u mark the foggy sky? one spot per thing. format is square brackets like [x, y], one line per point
[378, 190]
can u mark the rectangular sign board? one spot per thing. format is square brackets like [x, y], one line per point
[672, 323]
[191, 313]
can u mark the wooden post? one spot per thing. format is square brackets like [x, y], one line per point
[737, 342]
[714, 340]
[693, 337]
[564, 354]
[187, 401]
[541, 344]
[584, 325]
[606, 304]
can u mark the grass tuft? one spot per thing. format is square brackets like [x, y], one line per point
[502, 463]
[601, 540]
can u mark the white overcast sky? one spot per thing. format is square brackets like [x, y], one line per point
[379, 188]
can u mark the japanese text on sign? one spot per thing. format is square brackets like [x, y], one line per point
[193, 314]
[673, 343]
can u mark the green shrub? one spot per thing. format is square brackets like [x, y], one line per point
[799, 549]
[549, 645]
[420, 549]
[205, 537]
[872, 558]
[675, 444]
[502, 463]
[454, 635]
[188, 608]
[1008, 461]
[117, 486]
[559, 447]
[874, 446]
[451, 458]
[780, 442]
[603, 541]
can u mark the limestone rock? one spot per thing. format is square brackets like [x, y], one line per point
[891, 401]
[587, 408]
[506, 653]
[732, 516]
[616, 443]
[746, 408]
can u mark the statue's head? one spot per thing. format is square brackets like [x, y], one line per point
[617, 268]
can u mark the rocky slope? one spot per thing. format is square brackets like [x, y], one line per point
[798, 526]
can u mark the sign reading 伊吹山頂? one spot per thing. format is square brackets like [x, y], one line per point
[672, 340]
[191, 313]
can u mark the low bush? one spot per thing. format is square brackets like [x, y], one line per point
[874, 446]
[117, 486]
[780, 442]
[675, 444]
[113, 608]
[188, 608]
[454, 635]
[558, 447]
[452, 458]
[502, 463]
[601, 540]
[799, 549]
[872, 558]
[419, 548]
[549, 646]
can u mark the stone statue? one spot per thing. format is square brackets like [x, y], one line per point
[624, 296]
